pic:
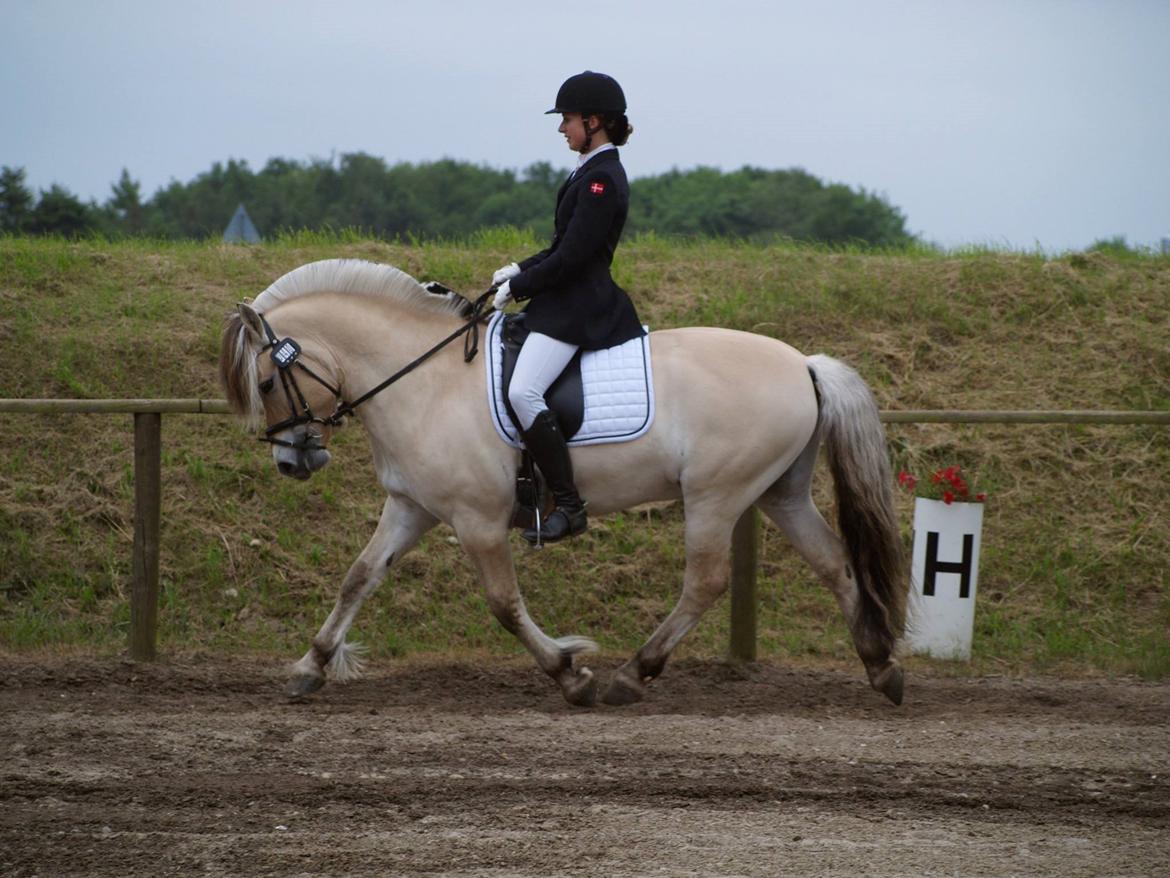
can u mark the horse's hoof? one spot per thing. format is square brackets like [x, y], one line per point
[582, 690]
[623, 690]
[302, 685]
[889, 682]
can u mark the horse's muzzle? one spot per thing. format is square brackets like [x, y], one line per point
[300, 464]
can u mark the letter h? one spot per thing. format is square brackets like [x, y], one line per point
[963, 568]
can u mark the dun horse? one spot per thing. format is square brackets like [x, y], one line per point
[740, 419]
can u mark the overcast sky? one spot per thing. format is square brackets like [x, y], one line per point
[1012, 124]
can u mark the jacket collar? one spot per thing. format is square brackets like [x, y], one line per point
[606, 155]
[592, 154]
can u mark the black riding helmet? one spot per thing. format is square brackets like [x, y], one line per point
[590, 92]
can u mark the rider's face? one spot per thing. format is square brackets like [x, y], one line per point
[573, 127]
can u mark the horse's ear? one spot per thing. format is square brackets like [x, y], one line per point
[252, 322]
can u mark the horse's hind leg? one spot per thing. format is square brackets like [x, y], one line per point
[708, 548]
[401, 526]
[789, 504]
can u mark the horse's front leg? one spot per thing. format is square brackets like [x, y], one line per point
[402, 524]
[486, 542]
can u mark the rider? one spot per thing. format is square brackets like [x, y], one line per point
[574, 302]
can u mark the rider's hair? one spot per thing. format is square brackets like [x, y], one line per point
[617, 127]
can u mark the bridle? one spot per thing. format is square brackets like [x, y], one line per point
[286, 354]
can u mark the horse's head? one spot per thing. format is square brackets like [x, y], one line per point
[287, 385]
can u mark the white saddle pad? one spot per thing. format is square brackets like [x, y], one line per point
[618, 387]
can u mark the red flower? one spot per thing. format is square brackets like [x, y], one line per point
[951, 485]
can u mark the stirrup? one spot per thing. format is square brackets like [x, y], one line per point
[575, 525]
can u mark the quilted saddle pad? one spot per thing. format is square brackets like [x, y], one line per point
[618, 388]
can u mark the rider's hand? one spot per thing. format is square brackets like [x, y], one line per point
[506, 273]
[503, 296]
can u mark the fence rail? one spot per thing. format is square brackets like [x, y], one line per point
[148, 495]
[116, 406]
[907, 416]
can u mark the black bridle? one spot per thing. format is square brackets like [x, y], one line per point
[286, 354]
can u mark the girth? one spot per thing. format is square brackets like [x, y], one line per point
[566, 396]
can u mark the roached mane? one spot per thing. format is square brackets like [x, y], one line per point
[237, 358]
[352, 276]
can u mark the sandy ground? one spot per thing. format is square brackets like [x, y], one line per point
[200, 767]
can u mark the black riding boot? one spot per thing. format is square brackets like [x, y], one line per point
[548, 449]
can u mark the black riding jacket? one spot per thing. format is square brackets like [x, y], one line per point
[573, 297]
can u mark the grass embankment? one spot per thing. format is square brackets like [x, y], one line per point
[1076, 537]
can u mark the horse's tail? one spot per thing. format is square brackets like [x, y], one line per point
[855, 444]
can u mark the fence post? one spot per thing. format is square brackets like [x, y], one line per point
[147, 504]
[744, 545]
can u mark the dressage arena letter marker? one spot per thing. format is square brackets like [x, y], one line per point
[947, 537]
[934, 566]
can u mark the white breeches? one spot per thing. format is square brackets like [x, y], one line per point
[542, 359]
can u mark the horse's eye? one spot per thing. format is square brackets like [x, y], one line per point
[266, 385]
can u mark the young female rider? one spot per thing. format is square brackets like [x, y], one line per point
[574, 302]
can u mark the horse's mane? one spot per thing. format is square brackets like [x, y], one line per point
[358, 277]
[237, 360]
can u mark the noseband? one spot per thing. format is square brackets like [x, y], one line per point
[286, 352]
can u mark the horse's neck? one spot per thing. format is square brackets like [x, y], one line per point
[367, 336]
[428, 408]
[371, 340]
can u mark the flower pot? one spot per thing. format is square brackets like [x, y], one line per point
[945, 573]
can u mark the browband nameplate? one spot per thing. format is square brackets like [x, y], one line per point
[285, 353]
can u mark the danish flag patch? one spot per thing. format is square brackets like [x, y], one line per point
[597, 188]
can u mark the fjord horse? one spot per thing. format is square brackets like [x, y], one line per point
[740, 419]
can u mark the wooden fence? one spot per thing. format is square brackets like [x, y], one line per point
[148, 496]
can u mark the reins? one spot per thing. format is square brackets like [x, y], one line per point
[470, 349]
[286, 354]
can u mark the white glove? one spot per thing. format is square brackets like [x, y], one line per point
[506, 273]
[503, 296]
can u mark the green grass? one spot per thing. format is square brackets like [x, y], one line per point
[1076, 553]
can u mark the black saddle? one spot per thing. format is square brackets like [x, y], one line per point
[566, 396]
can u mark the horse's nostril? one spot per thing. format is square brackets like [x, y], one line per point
[294, 470]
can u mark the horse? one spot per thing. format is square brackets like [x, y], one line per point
[740, 420]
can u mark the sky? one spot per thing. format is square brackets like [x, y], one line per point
[1025, 124]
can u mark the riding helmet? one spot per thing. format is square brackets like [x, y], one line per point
[590, 92]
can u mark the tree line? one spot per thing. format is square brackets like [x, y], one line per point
[450, 199]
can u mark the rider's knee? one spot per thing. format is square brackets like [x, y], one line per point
[526, 404]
